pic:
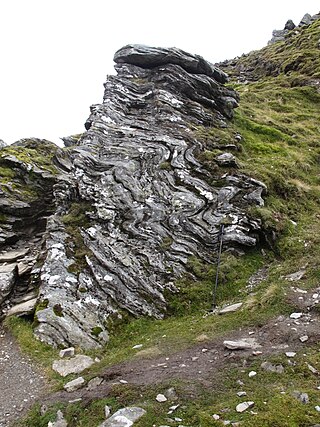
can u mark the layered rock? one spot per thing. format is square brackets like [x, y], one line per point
[133, 200]
[27, 177]
[148, 203]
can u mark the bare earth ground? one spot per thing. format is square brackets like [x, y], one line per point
[200, 364]
[21, 384]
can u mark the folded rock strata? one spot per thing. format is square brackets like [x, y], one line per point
[133, 202]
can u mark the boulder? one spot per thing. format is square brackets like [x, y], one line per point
[11, 256]
[76, 365]
[289, 25]
[306, 20]
[23, 308]
[243, 344]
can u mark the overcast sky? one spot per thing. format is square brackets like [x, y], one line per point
[55, 54]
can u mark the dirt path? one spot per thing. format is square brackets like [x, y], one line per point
[201, 364]
[21, 384]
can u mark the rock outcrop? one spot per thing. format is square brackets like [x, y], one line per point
[132, 199]
[280, 35]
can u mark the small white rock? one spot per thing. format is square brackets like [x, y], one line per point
[304, 338]
[290, 353]
[312, 369]
[252, 374]
[107, 411]
[216, 417]
[244, 406]
[317, 408]
[161, 398]
[295, 315]
[137, 346]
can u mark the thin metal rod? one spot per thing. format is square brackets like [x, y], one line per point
[218, 267]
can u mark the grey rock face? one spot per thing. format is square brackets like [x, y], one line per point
[150, 202]
[280, 35]
[289, 25]
[150, 57]
[306, 20]
[7, 279]
[131, 201]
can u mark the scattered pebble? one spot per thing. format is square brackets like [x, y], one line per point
[241, 393]
[290, 353]
[252, 374]
[137, 346]
[107, 411]
[304, 338]
[295, 315]
[312, 369]
[161, 398]
[216, 417]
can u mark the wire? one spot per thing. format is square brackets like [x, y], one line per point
[218, 267]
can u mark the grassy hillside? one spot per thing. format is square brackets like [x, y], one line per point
[279, 121]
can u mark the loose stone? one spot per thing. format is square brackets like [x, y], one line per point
[244, 406]
[74, 384]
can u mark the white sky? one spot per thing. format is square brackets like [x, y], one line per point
[55, 54]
